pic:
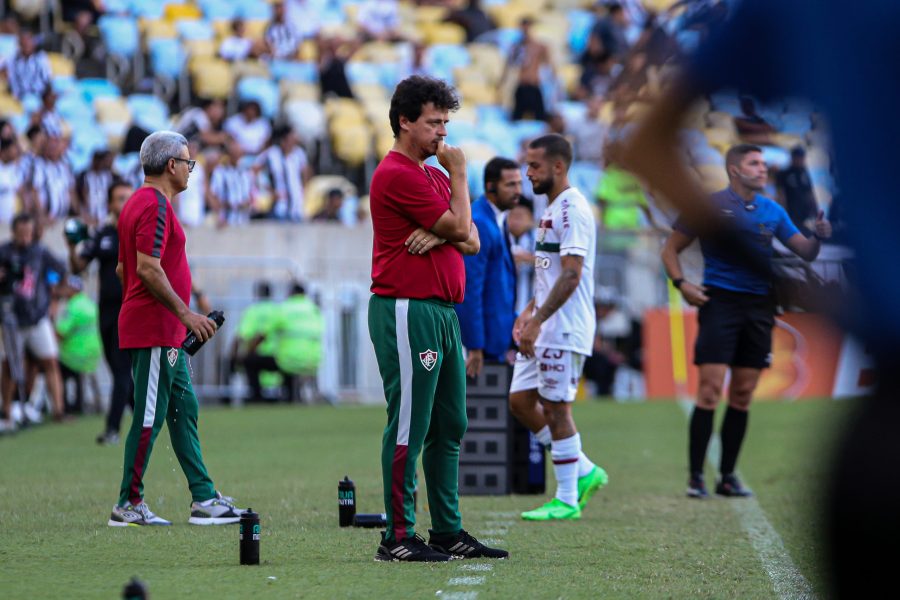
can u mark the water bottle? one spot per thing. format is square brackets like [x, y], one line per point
[370, 520]
[134, 590]
[346, 502]
[249, 537]
[192, 343]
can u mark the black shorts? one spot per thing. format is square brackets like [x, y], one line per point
[735, 329]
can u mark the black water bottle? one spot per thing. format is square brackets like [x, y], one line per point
[192, 343]
[346, 502]
[249, 537]
[370, 520]
[135, 590]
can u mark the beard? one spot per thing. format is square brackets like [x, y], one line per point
[543, 186]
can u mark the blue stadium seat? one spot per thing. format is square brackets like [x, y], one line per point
[461, 131]
[218, 9]
[475, 177]
[116, 7]
[63, 83]
[500, 134]
[30, 103]
[149, 112]
[580, 24]
[795, 123]
[119, 34]
[9, 44]
[775, 156]
[305, 72]
[73, 108]
[97, 88]
[441, 59]
[491, 113]
[525, 130]
[166, 57]
[254, 9]
[264, 91]
[191, 29]
[571, 111]
[389, 74]
[585, 176]
[20, 123]
[147, 9]
[363, 72]
[502, 38]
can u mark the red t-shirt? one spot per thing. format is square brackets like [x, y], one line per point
[403, 197]
[148, 225]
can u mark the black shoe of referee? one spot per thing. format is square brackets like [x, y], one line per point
[697, 487]
[463, 545]
[730, 486]
[412, 549]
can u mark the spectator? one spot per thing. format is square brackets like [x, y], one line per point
[530, 56]
[28, 271]
[488, 310]
[752, 127]
[92, 187]
[281, 38]
[206, 121]
[288, 169]
[333, 56]
[46, 116]
[610, 30]
[297, 330]
[331, 211]
[11, 181]
[79, 341]
[598, 68]
[190, 204]
[795, 192]
[588, 133]
[36, 141]
[520, 222]
[379, 20]
[103, 246]
[249, 127]
[28, 71]
[53, 183]
[237, 47]
[304, 18]
[473, 19]
[231, 187]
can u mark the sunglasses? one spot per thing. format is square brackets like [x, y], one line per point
[190, 163]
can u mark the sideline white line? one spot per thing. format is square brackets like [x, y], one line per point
[788, 581]
[500, 528]
[457, 595]
[477, 580]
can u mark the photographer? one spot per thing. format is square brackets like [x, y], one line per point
[28, 271]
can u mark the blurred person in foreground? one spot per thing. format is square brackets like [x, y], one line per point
[488, 311]
[778, 49]
[555, 331]
[103, 246]
[153, 323]
[422, 223]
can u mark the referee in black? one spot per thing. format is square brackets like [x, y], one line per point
[103, 246]
[736, 306]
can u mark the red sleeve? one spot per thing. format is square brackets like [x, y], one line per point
[412, 193]
[150, 228]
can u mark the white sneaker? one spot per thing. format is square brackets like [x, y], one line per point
[134, 516]
[215, 511]
[7, 426]
[32, 414]
[16, 414]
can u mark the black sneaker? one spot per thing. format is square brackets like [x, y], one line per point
[463, 545]
[697, 487]
[412, 549]
[730, 486]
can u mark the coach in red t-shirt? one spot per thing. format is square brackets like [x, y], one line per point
[153, 323]
[423, 225]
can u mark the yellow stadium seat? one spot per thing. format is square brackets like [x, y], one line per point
[712, 177]
[196, 48]
[352, 145]
[153, 29]
[474, 92]
[368, 92]
[384, 141]
[570, 76]
[214, 80]
[176, 12]
[720, 139]
[510, 15]
[720, 120]
[222, 28]
[256, 28]
[298, 90]
[317, 187]
[430, 14]
[442, 33]
[347, 107]
[250, 68]
[61, 65]
[487, 59]
[376, 52]
[112, 110]
[308, 51]
[9, 106]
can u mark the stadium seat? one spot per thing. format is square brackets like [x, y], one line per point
[158, 29]
[166, 57]
[213, 79]
[200, 48]
[181, 12]
[126, 163]
[370, 92]
[501, 38]
[9, 106]
[254, 9]
[9, 45]
[571, 111]
[111, 109]
[73, 108]
[264, 91]
[147, 9]
[712, 177]
[477, 92]
[292, 70]
[708, 156]
[307, 118]
[218, 9]
[92, 89]
[251, 68]
[194, 30]
[478, 151]
[116, 7]
[459, 132]
[119, 34]
[344, 108]
[362, 72]
[298, 90]
[149, 109]
[720, 139]
[376, 52]
[442, 33]
[317, 187]
[63, 84]
[352, 144]
[526, 130]
[797, 124]
[60, 65]
[508, 16]
[585, 176]
[580, 24]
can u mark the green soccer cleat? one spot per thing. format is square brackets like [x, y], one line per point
[589, 484]
[556, 509]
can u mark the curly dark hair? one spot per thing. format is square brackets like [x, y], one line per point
[415, 92]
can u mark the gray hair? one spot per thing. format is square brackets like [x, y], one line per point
[158, 148]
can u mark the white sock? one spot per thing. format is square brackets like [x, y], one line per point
[543, 436]
[585, 465]
[565, 464]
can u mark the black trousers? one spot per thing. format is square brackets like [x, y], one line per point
[73, 405]
[254, 364]
[529, 103]
[119, 362]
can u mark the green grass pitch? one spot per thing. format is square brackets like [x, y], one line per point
[639, 537]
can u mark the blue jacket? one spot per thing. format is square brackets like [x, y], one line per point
[488, 312]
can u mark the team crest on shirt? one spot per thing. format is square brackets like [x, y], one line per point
[429, 359]
[172, 356]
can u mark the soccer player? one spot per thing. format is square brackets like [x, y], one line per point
[423, 225]
[555, 332]
[737, 311]
[153, 322]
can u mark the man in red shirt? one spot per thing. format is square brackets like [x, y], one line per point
[153, 323]
[423, 225]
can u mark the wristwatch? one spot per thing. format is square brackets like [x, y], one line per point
[677, 283]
